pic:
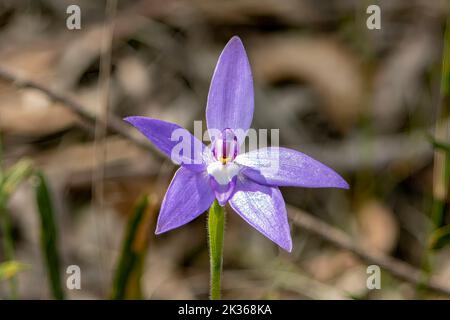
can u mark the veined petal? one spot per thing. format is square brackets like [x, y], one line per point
[189, 195]
[176, 142]
[264, 209]
[287, 167]
[230, 99]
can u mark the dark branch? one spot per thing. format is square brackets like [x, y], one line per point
[114, 124]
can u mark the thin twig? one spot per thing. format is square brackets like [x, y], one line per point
[101, 129]
[114, 124]
[338, 238]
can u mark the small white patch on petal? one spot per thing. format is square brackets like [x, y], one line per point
[223, 173]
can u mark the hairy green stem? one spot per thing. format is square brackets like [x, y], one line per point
[216, 224]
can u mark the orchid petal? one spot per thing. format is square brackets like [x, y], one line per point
[189, 195]
[176, 142]
[230, 97]
[222, 192]
[264, 209]
[287, 167]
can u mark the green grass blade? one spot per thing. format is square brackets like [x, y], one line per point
[126, 282]
[8, 184]
[10, 269]
[440, 238]
[49, 236]
[8, 243]
[14, 176]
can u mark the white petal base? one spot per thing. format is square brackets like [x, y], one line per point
[223, 173]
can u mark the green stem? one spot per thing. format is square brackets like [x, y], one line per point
[216, 224]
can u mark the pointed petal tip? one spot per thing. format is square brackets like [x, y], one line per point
[288, 248]
[235, 43]
[235, 39]
[128, 119]
[159, 230]
[339, 183]
[342, 184]
[132, 119]
[286, 245]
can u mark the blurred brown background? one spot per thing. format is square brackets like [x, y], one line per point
[361, 101]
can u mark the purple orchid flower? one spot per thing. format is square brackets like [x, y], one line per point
[249, 181]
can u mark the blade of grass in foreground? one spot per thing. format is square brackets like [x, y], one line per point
[8, 184]
[10, 269]
[440, 238]
[126, 283]
[49, 236]
[14, 176]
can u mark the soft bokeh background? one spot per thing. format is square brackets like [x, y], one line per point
[361, 101]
